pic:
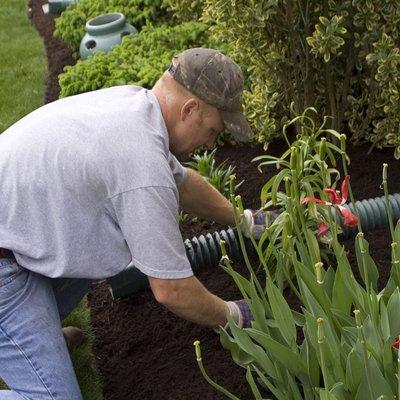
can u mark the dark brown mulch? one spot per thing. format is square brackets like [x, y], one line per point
[58, 54]
[145, 352]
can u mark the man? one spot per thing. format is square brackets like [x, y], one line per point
[89, 183]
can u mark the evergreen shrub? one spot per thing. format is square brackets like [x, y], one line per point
[70, 26]
[341, 57]
[139, 60]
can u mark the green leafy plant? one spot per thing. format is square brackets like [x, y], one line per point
[139, 60]
[184, 10]
[341, 57]
[217, 175]
[342, 343]
[70, 25]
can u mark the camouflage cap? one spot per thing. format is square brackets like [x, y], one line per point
[216, 79]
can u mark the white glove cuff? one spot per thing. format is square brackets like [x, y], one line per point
[247, 224]
[234, 311]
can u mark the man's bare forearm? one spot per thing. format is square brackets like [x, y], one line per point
[200, 198]
[189, 299]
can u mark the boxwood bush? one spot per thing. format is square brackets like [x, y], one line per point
[139, 60]
[70, 26]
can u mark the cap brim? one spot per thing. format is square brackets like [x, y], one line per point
[237, 125]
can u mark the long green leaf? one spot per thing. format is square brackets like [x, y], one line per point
[354, 289]
[309, 356]
[354, 368]
[259, 309]
[340, 298]
[285, 356]
[260, 355]
[275, 185]
[317, 290]
[313, 246]
[253, 385]
[393, 309]
[274, 390]
[270, 188]
[372, 338]
[324, 394]
[239, 356]
[294, 388]
[378, 385]
[366, 260]
[282, 314]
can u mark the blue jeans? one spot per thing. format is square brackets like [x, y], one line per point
[34, 359]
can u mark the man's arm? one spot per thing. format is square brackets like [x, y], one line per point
[189, 299]
[198, 197]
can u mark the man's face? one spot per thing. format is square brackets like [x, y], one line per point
[198, 127]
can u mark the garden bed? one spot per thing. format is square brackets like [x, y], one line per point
[142, 350]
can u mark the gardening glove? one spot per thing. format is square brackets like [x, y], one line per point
[254, 223]
[240, 312]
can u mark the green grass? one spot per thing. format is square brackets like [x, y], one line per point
[22, 78]
[82, 357]
[22, 63]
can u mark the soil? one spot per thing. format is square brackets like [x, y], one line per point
[145, 352]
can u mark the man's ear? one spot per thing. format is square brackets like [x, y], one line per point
[188, 108]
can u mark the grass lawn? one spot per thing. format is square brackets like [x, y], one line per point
[22, 63]
[22, 75]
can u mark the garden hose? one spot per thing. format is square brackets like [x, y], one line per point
[373, 214]
[204, 251]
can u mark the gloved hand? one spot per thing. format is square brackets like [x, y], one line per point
[254, 223]
[240, 312]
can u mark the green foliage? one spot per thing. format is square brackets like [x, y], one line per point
[217, 175]
[339, 344]
[327, 38]
[70, 26]
[184, 10]
[139, 60]
[341, 57]
[386, 57]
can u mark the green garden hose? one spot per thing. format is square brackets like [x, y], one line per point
[373, 214]
[204, 251]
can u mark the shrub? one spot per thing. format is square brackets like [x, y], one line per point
[139, 60]
[70, 26]
[185, 10]
[341, 57]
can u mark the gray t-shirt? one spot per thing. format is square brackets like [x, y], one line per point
[87, 185]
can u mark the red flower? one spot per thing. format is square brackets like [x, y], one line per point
[322, 229]
[396, 343]
[337, 199]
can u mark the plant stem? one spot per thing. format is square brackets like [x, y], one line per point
[343, 154]
[196, 344]
[361, 338]
[321, 340]
[388, 205]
